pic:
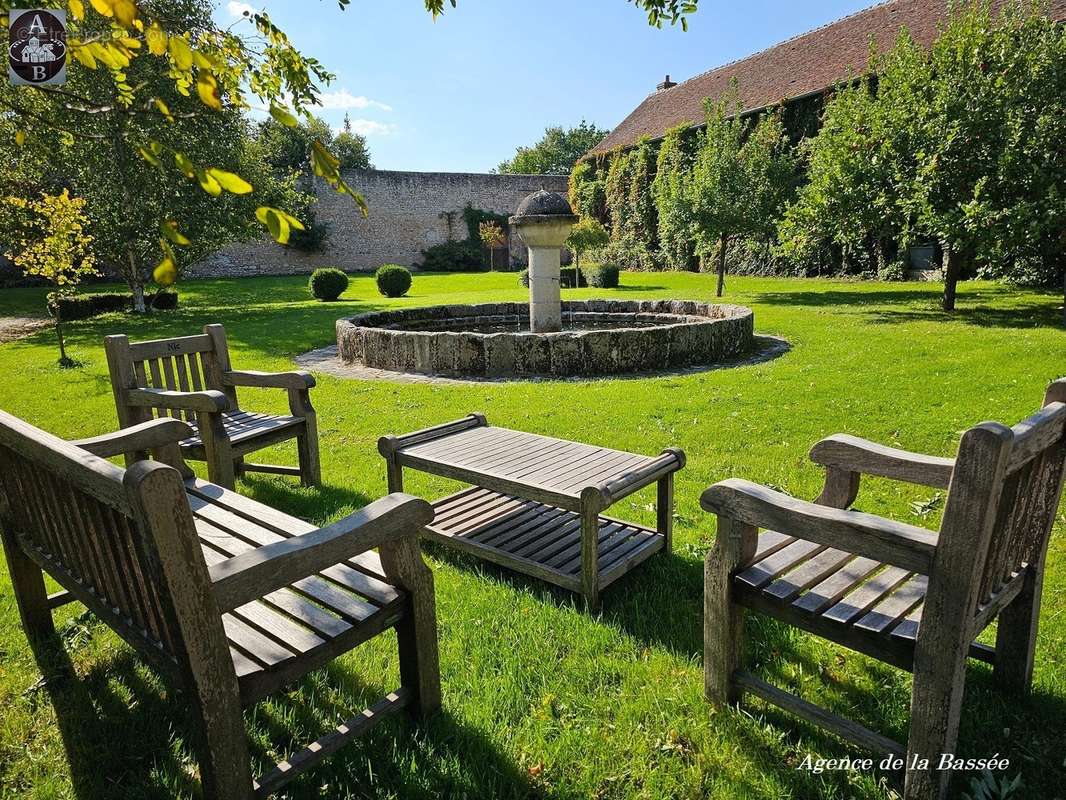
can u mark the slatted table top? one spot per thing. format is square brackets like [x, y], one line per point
[510, 459]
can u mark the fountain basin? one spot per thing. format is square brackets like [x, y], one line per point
[599, 337]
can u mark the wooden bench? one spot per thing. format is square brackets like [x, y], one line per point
[908, 596]
[190, 378]
[230, 600]
[536, 503]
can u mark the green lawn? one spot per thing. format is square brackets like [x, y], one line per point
[542, 699]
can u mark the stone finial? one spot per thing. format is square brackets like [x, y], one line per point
[542, 204]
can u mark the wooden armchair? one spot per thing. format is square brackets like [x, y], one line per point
[899, 593]
[227, 598]
[190, 378]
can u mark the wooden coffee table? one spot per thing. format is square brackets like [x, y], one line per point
[535, 502]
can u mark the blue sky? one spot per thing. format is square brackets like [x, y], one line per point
[460, 94]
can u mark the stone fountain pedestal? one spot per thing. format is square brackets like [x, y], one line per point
[543, 221]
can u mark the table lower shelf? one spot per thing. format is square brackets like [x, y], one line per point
[537, 539]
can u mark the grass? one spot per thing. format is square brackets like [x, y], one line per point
[542, 699]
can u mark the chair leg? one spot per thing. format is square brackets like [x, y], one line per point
[416, 633]
[221, 468]
[31, 595]
[723, 620]
[225, 763]
[1016, 636]
[307, 450]
[936, 705]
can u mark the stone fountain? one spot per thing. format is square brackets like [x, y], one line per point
[509, 339]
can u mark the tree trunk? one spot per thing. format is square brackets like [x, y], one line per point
[577, 270]
[952, 270]
[63, 360]
[722, 244]
[1064, 298]
[138, 299]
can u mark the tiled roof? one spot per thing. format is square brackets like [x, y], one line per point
[803, 65]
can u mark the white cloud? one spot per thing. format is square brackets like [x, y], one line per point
[343, 99]
[369, 127]
[239, 9]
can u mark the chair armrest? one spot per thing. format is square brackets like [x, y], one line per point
[296, 379]
[258, 572]
[209, 400]
[136, 438]
[853, 454]
[896, 543]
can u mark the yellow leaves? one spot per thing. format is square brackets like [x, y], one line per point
[180, 52]
[170, 230]
[166, 272]
[208, 183]
[278, 222]
[207, 88]
[125, 11]
[232, 183]
[185, 165]
[77, 9]
[20, 138]
[83, 53]
[150, 157]
[283, 116]
[104, 7]
[163, 109]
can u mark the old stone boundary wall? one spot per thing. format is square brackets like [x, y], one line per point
[409, 211]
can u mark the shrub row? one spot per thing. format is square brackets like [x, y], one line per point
[600, 276]
[83, 306]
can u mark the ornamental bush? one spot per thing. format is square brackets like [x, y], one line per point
[453, 256]
[393, 280]
[327, 283]
[601, 276]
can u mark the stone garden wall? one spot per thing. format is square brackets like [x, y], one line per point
[409, 211]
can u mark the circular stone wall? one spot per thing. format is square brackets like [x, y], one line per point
[600, 337]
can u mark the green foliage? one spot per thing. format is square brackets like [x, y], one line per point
[85, 305]
[586, 192]
[987, 786]
[453, 256]
[50, 242]
[327, 283]
[960, 144]
[587, 234]
[740, 181]
[351, 147]
[493, 237]
[677, 154]
[631, 207]
[601, 276]
[393, 280]
[474, 217]
[556, 152]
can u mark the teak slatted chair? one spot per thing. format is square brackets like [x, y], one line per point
[190, 378]
[230, 600]
[899, 593]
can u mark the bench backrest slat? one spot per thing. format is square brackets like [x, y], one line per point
[72, 510]
[181, 364]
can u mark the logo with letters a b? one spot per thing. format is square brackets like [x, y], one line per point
[37, 49]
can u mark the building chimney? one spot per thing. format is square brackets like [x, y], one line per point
[666, 84]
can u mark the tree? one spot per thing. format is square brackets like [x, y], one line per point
[493, 237]
[557, 151]
[351, 148]
[587, 235]
[219, 67]
[288, 148]
[50, 242]
[740, 180]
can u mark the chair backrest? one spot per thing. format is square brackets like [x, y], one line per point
[1005, 493]
[181, 364]
[82, 519]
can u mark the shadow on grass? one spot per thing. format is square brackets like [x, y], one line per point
[128, 737]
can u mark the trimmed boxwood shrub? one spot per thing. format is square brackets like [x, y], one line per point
[393, 280]
[602, 276]
[566, 277]
[327, 283]
[453, 256]
[83, 306]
